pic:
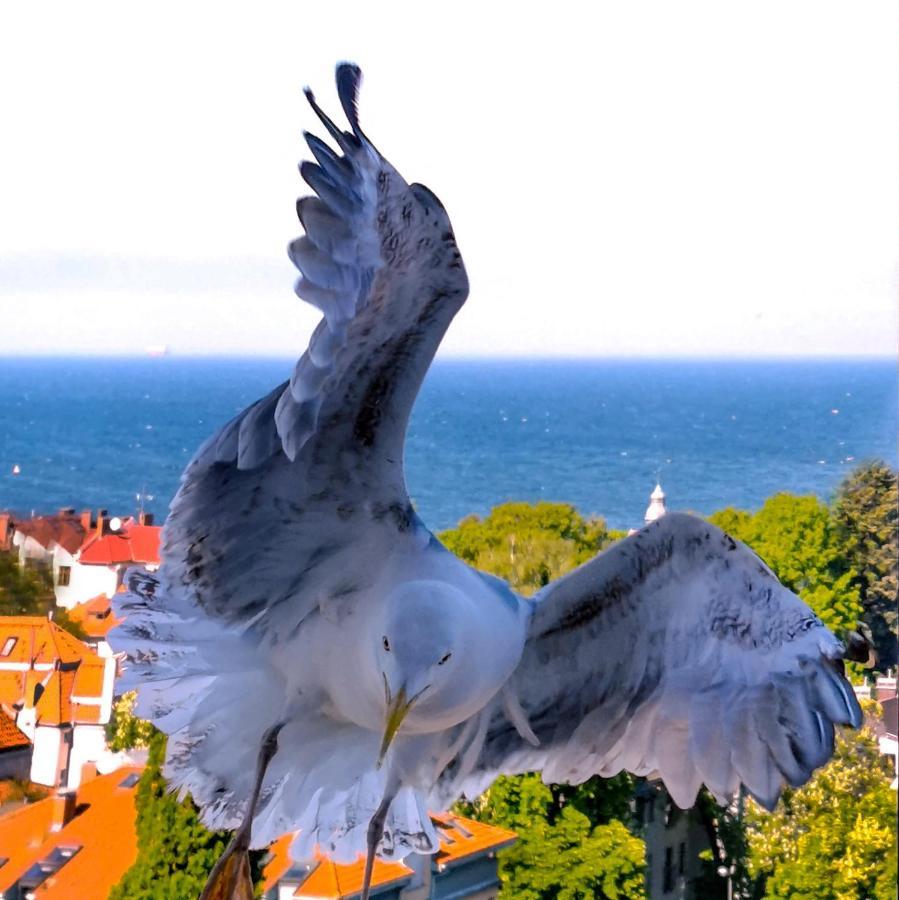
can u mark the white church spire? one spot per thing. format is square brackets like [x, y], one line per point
[656, 508]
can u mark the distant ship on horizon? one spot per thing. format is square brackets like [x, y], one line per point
[157, 350]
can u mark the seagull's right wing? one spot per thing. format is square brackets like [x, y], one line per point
[678, 653]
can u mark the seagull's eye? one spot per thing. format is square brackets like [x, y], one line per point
[386, 643]
[444, 658]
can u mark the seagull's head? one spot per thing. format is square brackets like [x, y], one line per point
[419, 649]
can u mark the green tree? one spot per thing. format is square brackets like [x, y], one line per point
[528, 545]
[28, 591]
[561, 852]
[835, 837]
[867, 516]
[175, 852]
[24, 591]
[797, 537]
[571, 839]
[125, 731]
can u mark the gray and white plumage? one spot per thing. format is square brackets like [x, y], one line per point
[299, 588]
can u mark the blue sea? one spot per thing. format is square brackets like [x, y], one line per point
[99, 432]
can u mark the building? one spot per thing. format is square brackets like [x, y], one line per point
[80, 843]
[73, 844]
[98, 564]
[465, 866]
[96, 619]
[59, 693]
[15, 749]
[674, 839]
[36, 540]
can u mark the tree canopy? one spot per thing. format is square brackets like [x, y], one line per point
[175, 852]
[572, 841]
[28, 591]
[797, 537]
[835, 837]
[527, 544]
[866, 511]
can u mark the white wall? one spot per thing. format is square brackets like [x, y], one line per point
[88, 745]
[29, 548]
[49, 755]
[85, 583]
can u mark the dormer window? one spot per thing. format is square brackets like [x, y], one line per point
[8, 644]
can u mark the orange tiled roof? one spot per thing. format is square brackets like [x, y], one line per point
[68, 666]
[328, 879]
[95, 616]
[134, 543]
[459, 838]
[103, 826]
[10, 736]
[38, 641]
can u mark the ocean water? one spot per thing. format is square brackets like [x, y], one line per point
[99, 432]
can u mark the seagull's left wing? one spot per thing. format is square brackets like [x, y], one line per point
[678, 653]
[299, 499]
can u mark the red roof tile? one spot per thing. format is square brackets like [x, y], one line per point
[133, 543]
[62, 528]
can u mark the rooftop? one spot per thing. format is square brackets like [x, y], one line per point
[63, 528]
[95, 616]
[132, 543]
[460, 839]
[10, 736]
[102, 830]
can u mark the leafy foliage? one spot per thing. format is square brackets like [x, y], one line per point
[24, 591]
[867, 516]
[175, 852]
[561, 852]
[834, 838]
[528, 545]
[125, 731]
[797, 537]
[572, 841]
[28, 591]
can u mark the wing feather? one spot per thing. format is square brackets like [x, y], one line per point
[675, 652]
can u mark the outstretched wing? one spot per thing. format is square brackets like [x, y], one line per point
[675, 652]
[309, 481]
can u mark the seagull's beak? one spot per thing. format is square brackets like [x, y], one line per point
[397, 708]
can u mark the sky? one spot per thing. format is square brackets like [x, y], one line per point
[647, 178]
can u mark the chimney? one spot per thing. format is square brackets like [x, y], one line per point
[88, 772]
[102, 522]
[67, 511]
[86, 519]
[145, 518]
[62, 809]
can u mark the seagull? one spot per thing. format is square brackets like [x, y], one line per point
[322, 665]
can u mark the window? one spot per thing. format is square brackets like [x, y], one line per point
[46, 867]
[668, 873]
[63, 575]
[681, 858]
[132, 779]
[8, 644]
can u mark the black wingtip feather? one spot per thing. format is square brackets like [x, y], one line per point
[349, 77]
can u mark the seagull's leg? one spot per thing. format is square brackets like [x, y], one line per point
[376, 832]
[230, 876]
